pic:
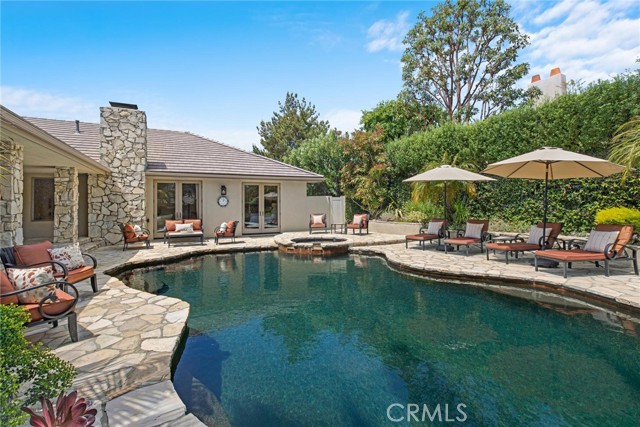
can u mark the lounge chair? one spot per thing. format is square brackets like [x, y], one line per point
[474, 235]
[617, 250]
[35, 253]
[360, 222]
[318, 222]
[229, 232]
[533, 243]
[129, 235]
[49, 309]
[434, 231]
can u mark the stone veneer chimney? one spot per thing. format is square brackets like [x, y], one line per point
[120, 196]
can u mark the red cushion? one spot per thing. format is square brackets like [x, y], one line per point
[230, 225]
[51, 308]
[78, 274]
[462, 241]
[519, 246]
[421, 236]
[33, 254]
[5, 288]
[129, 232]
[197, 223]
[171, 224]
[572, 255]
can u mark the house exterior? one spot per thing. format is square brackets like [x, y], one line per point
[66, 180]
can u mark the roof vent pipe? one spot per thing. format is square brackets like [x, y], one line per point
[77, 126]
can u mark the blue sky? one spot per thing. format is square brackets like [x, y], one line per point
[218, 68]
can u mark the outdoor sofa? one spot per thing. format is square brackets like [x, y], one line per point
[173, 230]
[36, 253]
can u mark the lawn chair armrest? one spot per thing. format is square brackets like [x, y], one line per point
[93, 259]
[63, 285]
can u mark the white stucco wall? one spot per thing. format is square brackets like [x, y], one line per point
[294, 205]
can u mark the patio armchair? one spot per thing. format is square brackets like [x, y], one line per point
[533, 243]
[434, 231]
[475, 234]
[318, 222]
[35, 253]
[129, 235]
[618, 250]
[228, 232]
[173, 229]
[360, 222]
[51, 308]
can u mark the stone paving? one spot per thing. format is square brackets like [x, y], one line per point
[128, 337]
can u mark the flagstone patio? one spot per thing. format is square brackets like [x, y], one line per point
[128, 337]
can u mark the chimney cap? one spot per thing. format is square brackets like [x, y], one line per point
[535, 78]
[123, 105]
[555, 71]
[77, 126]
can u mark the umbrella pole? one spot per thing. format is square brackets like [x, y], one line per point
[544, 217]
[445, 200]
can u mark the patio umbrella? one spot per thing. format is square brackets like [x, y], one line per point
[552, 163]
[446, 173]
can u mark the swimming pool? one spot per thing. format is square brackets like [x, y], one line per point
[280, 341]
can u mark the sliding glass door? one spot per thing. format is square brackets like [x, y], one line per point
[261, 208]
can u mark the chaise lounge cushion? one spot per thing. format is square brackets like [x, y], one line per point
[462, 241]
[78, 274]
[65, 302]
[518, 246]
[5, 288]
[572, 255]
[33, 254]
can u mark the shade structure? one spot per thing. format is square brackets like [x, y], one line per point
[446, 173]
[550, 163]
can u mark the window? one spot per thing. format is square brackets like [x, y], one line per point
[43, 190]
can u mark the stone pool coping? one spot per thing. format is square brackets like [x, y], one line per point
[128, 338]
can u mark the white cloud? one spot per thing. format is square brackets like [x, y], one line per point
[344, 120]
[385, 34]
[29, 102]
[588, 40]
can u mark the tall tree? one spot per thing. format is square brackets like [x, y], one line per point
[364, 177]
[463, 59]
[323, 155]
[295, 121]
[401, 117]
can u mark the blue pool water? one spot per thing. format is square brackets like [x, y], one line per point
[279, 341]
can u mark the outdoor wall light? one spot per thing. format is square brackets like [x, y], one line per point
[223, 190]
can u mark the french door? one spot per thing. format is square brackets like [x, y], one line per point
[176, 200]
[261, 213]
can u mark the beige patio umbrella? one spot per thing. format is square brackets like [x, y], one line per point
[552, 163]
[446, 173]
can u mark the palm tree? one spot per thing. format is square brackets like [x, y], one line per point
[431, 191]
[625, 146]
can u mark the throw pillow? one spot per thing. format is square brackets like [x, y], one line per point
[598, 240]
[357, 219]
[536, 233]
[318, 219]
[24, 278]
[70, 256]
[184, 228]
[473, 231]
[434, 227]
[138, 230]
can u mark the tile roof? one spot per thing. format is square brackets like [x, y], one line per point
[179, 152]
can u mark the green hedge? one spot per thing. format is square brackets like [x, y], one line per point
[583, 122]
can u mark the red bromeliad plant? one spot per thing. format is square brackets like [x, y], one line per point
[69, 412]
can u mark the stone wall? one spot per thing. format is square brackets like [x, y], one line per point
[65, 214]
[119, 196]
[11, 197]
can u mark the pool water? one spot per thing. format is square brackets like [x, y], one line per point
[279, 341]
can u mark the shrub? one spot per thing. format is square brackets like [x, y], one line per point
[27, 371]
[620, 216]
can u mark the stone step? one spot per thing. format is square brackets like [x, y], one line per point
[150, 406]
[188, 420]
